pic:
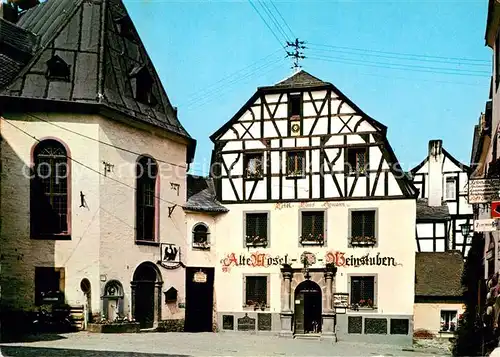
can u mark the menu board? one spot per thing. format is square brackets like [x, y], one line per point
[340, 300]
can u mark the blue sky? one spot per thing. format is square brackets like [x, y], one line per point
[212, 55]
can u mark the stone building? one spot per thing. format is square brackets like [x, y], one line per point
[93, 166]
[309, 245]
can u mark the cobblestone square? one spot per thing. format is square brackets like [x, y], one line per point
[202, 344]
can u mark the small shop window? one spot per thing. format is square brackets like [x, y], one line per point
[313, 228]
[254, 167]
[296, 163]
[356, 161]
[449, 321]
[363, 228]
[256, 229]
[49, 285]
[256, 291]
[450, 188]
[362, 292]
[200, 236]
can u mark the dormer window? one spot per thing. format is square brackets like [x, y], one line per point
[126, 28]
[57, 69]
[142, 85]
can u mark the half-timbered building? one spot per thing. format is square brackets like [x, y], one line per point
[320, 228]
[444, 216]
[94, 161]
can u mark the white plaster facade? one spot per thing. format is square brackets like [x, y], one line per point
[102, 245]
[428, 316]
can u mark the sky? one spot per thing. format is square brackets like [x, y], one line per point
[419, 67]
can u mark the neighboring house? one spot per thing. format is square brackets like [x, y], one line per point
[438, 292]
[312, 187]
[446, 224]
[202, 211]
[94, 166]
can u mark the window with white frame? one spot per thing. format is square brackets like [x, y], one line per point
[450, 188]
[448, 321]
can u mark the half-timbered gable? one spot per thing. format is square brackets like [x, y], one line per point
[442, 180]
[303, 139]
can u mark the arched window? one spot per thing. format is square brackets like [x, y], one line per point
[146, 199]
[50, 190]
[200, 236]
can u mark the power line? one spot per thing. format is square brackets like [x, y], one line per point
[402, 67]
[265, 22]
[198, 93]
[273, 19]
[422, 79]
[97, 140]
[400, 53]
[86, 166]
[286, 24]
[400, 58]
[217, 89]
[214, 94]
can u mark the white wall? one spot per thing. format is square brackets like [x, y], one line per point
[396, 239]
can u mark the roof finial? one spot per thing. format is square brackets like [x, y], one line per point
[296, 53]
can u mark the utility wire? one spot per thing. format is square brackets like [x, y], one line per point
[220, 87]
[214, 94]
[86, 166]
[401, 53]
[408, 65]
[97, 140]
[399, 58]
[265, 22]
[200, 93]
[274, 20]
[391, 66]
[284, 21]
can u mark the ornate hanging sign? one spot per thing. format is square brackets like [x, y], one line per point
[170, 256]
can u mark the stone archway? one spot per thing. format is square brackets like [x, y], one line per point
[146, 295]
[308, 307]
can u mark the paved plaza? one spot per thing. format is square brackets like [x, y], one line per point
[186, 344]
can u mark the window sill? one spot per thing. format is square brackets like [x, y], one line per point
[295, 177]
[147, 242]
[253, 178]
[312, 243]
[362, 245]
[51, 236]
[363, 309]
[256, 245]
[251, 308]
[201, 247]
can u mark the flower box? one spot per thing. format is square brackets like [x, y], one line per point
[256, 241]
[362, 241]
[125, 327]
[201, 245]
[312, 240]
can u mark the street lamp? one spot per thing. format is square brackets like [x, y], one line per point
[465, 229]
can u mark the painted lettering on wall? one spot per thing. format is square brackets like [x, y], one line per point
[253, 260]
[282, 205]
[341, 260]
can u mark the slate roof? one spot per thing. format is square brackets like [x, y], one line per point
[424, 211]
[301, 79]
[438, 274]
[87, 36]
[201, 195]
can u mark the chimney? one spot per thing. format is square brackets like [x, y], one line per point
[435, 172]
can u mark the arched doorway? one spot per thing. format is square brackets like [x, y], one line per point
[87, 302]
[308, 307]
[146, 299]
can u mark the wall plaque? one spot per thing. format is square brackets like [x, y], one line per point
[246, 323]
[200, 277]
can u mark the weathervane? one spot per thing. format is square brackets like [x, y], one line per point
[296, 53]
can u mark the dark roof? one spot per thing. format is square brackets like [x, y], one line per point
[439, 274]
[424, 211]
[299, 80]
[100, 62]
[201, 195]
